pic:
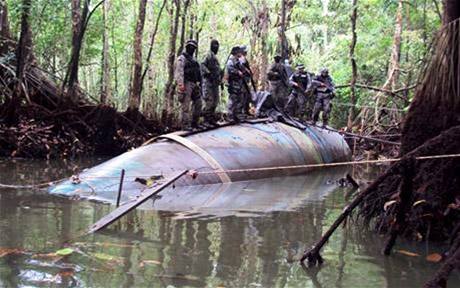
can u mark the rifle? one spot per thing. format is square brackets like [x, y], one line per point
[253, 83]
[284, 79]
[247, 70]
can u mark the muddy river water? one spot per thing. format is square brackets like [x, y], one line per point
[248, 234]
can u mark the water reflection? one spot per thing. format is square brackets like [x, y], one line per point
[228, 243]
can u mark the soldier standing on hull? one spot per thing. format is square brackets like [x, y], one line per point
[188, 80]
[248, 80]
[235, 85]
[300, 82]
[212, 79]
[324, 93]
[278, 82]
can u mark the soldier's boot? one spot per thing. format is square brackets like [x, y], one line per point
[315, 117]
[326, 111]
[316, 111]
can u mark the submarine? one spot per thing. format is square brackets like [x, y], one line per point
[226, 154]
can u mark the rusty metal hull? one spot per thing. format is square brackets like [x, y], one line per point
[238, 147]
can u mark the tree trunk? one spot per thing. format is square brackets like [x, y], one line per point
[71, 79]
[193, 19]
[5, 35]
[24, 47]
[451, 11]
[393, 71]
[393, 67]
[115, 61]
[153, 35]
[149, 71]
[436, 104]
[264, 22]
[76, 23]
[106, 92]
[354, 68]
[23, 52]
[169, 89]
[283, 48]
[183, 27]
[135, 93]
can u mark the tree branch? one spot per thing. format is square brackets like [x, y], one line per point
[152, 41]
[378, 89]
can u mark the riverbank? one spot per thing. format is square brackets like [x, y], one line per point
[78, 131]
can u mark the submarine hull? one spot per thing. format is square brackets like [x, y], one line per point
[226, 154]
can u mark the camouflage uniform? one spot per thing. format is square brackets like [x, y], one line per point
[324, 92]
[295, 105]
[235, 86]
[246, 89]
[188, 73]
[212, 78]
[278, 84]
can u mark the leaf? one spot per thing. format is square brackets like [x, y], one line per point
[407, 253]
[64, 252]
[434, 257]
[418, 202]
[388, 204]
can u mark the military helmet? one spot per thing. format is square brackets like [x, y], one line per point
[244, 48]
[191, 42]
[235, 50]
[324, 71]
[277, 57]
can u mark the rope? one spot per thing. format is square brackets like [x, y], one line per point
[336, 164]
[32, 186]
[318, 165]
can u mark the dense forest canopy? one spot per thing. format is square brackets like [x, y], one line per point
[318, 33]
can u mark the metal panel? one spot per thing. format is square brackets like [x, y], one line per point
[244, 146]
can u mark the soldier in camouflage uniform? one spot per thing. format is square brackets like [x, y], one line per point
[248, 80]
[278, 82]
[188, 81]
[212, 79]
[300, 82]
[235, 85]
[324, 93]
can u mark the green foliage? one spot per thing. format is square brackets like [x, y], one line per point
[64, 252]
[318, 33]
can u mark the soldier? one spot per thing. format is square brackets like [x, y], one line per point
[248, 80]
[300, 82]
[278, 82]
[188, 80]
[324, 93]
[212, 78]
[235, 85]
